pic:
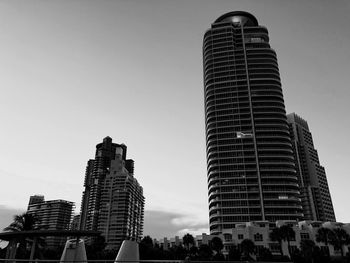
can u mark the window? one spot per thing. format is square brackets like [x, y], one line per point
[228, 237]
[304, 236]
[258, 237]
[240, 236]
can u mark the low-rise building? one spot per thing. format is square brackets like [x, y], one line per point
[167, 243]
[259, 233]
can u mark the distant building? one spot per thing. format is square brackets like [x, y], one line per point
[113, 200]
[34, 199]
[250, 166]
[75, 225]
[315, 195]
[167, 243]
[203, 239]
[53, 215]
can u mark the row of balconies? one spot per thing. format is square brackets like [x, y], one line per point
[231, 61]
[226, 55]
[258, 87]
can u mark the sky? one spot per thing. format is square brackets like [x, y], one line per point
[74, 72]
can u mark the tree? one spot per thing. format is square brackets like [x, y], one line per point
[275, 235]
[288, 234]
[307, 249]
[23, 222]
[146, 248]
[248, 248]
[147, 240]
[324, 235]
[188, 240]
[320, 256]
[283, 233]
[178, 252]
[216, 244]
[204, 252]
[339, 239]
[296, 256]
[194, 253]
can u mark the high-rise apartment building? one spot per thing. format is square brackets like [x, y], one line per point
[113, 200]
[315, 195]
[251, 169]
[52, 215]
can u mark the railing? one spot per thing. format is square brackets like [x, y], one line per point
[89, 261]
[112, 261]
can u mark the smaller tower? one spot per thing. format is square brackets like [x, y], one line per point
[315, 195]
[113, 200]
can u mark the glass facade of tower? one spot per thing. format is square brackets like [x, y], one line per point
[251, 170]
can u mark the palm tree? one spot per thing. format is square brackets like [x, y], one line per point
[248, 248]
[324, 235]
[307, 249]
[288, 234]
[340, 238]
[23, 222]
[188, 240]
[283, 233]
[275, 235]
[204, 252]
[216, 244]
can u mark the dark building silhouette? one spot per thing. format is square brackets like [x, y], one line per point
[315, 195]
[251, 169]
[52, 215]
[75, 224]
[113, 200]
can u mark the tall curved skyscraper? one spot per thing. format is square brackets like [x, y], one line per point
[251, 170]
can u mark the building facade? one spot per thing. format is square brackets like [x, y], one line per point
[259, 233]
[250, 163]
[113, 200]
[167, 243]
[315, 195]
[52, 215]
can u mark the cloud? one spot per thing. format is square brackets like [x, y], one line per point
[159, 224]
